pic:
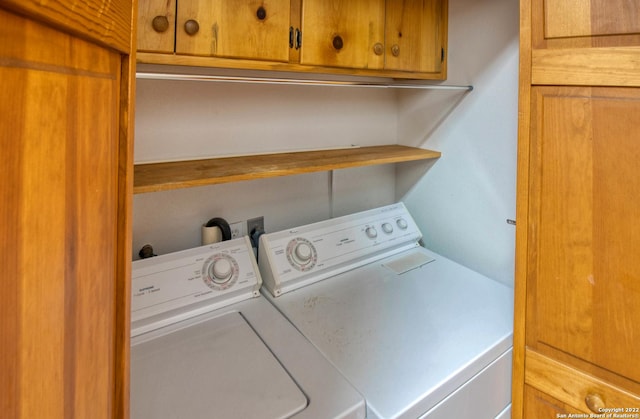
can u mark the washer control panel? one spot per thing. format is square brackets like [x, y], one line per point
[296, 257]
[179, 285]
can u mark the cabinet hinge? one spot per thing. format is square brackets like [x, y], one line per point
[295, 38]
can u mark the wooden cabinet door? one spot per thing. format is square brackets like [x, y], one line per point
[66, 167]
[584, 23]
[583, 287]
[156, 25]
[343, 33]
[415, 35]
[583, 42]
[575, 18]
[253, 29]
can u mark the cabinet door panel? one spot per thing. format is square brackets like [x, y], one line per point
[59, 222]
[153, 35]
[570, 18]
[342, 33]
[414, 35]
[584, 288]
[254, 29]
[540, 405]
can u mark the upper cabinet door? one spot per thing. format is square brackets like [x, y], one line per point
[343, 33]
[157, 25]
[415, 35]
[254, 29]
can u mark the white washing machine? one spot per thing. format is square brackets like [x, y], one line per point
[206, 344]
[417, 334]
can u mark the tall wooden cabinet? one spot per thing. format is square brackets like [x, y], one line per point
[577, 325]
[67, 76]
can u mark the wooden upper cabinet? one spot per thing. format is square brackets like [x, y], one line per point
[384, 38]
[253, 29]
[343, 33]
[415, 35]
[157, 26]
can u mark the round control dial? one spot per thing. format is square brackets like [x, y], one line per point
[402, 223]
[371, 232]
[220, 271]
[387, 228]
[301, 254]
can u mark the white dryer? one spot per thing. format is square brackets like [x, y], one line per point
[206, 344]
[417, 334]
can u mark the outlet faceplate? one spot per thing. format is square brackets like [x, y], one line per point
[238, 229]
[243, 228]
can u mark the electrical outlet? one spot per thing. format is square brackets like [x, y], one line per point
[238, 229]
[255, 224]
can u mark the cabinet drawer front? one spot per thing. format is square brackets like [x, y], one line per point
[572, 386]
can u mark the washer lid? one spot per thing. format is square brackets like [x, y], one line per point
[218, 368]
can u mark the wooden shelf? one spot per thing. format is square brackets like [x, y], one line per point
[156, 177]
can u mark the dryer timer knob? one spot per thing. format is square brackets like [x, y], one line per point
[371, 232]
[402, 223]
[303, 252]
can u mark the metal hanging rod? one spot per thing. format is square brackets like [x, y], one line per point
[296, 82]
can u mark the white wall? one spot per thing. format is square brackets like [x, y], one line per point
[178, 119]
[462, 201]
[189, 119]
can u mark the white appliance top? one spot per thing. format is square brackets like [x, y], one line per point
[407, 329]
[206, 344]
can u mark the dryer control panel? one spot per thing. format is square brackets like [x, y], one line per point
[293, 258]
[173, 287]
